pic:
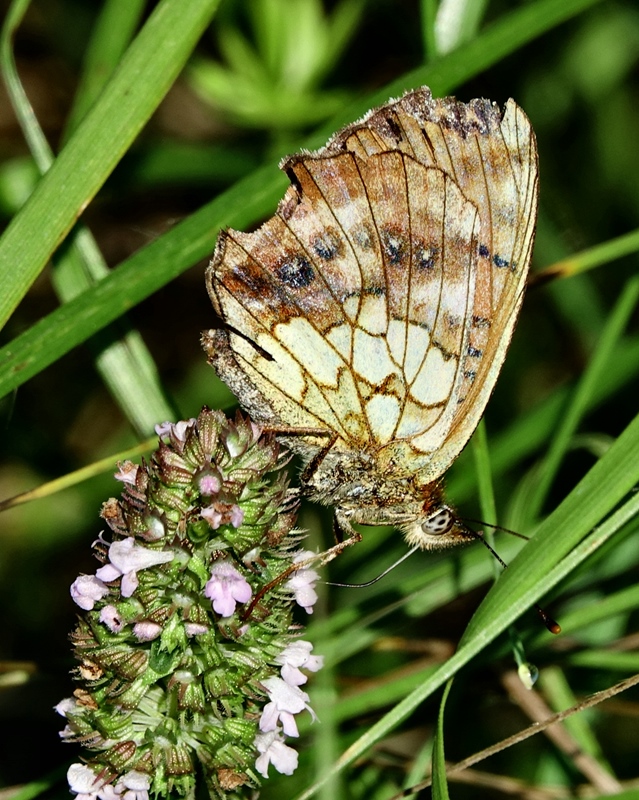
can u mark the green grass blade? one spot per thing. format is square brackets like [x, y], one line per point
[147, 71]
[112, 34]
[596, 256]
[481, 455]
[597, 494]
[559, 694]
[428, 12]
[573, 415]
[440, 785]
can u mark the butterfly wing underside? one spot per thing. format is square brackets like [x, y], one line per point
[379, 301]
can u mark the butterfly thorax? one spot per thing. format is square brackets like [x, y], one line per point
[363, 493]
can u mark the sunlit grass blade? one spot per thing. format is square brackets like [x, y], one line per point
[596, 256]
[529, 432]
[77, 476]
[143, 78]
[481, 455]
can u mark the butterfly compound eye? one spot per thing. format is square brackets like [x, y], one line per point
[441, 521]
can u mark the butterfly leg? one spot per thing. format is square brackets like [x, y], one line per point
[314, 464]
[345, 536]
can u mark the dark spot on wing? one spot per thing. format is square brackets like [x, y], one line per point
[500, 261]
[394, 247]
[481, 322]
[296, 272]
[425, 257]
[473, 352]
[484, 252]
[327, 245]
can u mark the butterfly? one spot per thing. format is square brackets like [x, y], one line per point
[369, 318]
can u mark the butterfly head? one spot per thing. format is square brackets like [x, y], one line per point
[438, 527]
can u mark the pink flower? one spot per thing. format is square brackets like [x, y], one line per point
[87, 590]
[110, 616]
[209, 481]
[127, 472]
[126, 558]
[177, 430]
[296, 655]
[302, 582]
[194, 629]
[222, 514]
[226, 588]
[274, 751]
[146, 631]
[286, 701]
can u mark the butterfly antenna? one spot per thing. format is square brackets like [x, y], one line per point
[496, 528]
[379, 577]
[549, 622]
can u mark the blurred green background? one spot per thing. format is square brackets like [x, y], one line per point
[264, 77]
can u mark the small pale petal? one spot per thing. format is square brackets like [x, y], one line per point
[136, 784]
[146, 631]
[66, 706]
[134, 779]
[293, 675]
[127, 472]
[212, 516]
[87, 590]
[110, 616]
[83, 780]
[109, 792]
[273, 751]
[129, 584]
[127, 556]
[287, 698]
[296, 655]
[289, 725]
[269, 718]
[302, 582]
[209, 483]
[108, 573]
[237, 516]
[194, 628]
[180, 428]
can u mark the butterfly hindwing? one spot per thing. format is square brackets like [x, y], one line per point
[378, 303]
